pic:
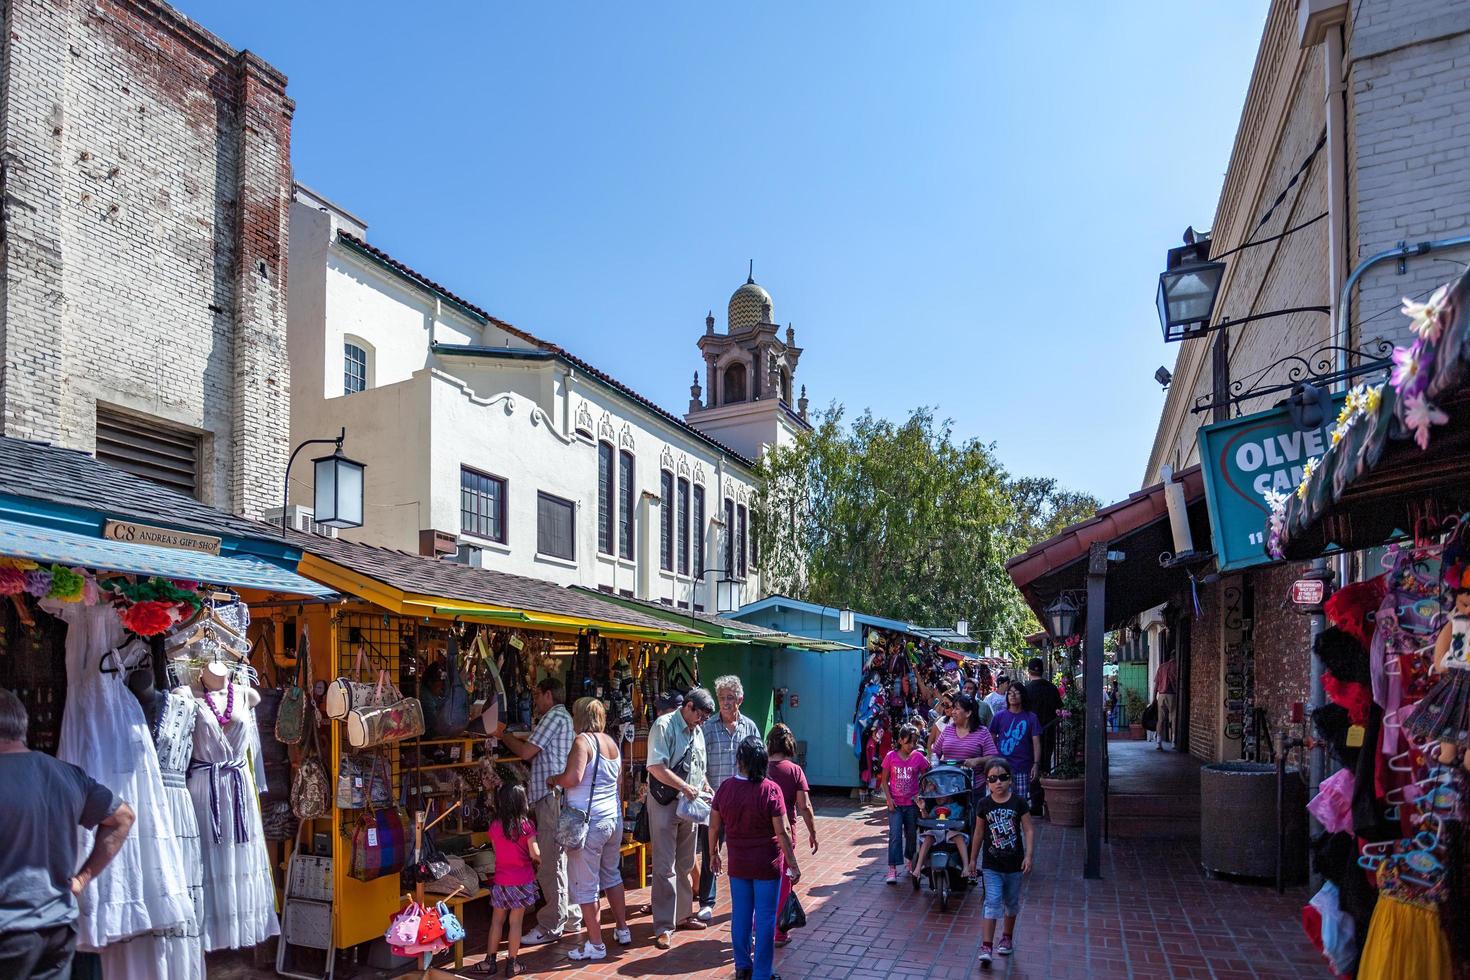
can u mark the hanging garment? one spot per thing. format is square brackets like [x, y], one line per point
[1404, 942]
[239, 895]
[104, 732]
[1336, 931]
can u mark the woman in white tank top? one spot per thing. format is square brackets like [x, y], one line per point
[591, 781]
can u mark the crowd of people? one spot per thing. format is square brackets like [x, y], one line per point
[721, 801]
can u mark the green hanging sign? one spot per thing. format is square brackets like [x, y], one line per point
[1242, 459]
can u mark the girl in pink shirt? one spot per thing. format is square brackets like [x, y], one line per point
[899, 783]
[514, 890]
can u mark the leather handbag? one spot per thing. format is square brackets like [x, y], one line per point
[378, 847]
[364, 780]
[642, 828]
[311, 794]
[571, 825]
[291, 714]
[454, 711]
[381, 722]
[345, 693]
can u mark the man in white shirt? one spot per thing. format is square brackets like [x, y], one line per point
[547, 750]
[996, 699]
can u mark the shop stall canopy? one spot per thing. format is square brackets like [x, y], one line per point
[720, 629]
[1376, 483]
[63, 506]
[415, 585]
[1138, 527]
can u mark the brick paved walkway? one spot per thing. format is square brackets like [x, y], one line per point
[1153, 915]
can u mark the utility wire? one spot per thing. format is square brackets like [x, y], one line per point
[1295, 177]
[1273, 238]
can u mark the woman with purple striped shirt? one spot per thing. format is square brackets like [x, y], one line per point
[966, 743]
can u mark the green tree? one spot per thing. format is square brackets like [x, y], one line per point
[901, 520]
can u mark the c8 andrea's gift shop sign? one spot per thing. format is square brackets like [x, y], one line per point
[1242, 459]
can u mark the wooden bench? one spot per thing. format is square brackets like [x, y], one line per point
[456, 905]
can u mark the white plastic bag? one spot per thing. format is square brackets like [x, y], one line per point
[693, 811]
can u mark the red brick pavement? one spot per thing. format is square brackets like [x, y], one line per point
[1154, 914]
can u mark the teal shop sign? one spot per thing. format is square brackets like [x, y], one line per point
[1241, 460]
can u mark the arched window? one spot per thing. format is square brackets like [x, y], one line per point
[356, 367]
[786, 386]
[734, 384]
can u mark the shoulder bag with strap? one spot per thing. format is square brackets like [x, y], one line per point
[345, 693]
[291, 713]
[311, 795]
[385, 719]
[571, 826]
[454, 711]
[661, 791]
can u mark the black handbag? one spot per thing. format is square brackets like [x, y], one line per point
[662, 792]
[454, 711]
[642, 828]
[1150, 718]
[792, 916]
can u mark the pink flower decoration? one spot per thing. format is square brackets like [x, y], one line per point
[12, 581]
[1408, 369]
[1419, 415]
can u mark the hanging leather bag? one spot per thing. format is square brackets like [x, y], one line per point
[662, 792]
[454, 710]
[382, 722]
[291, 714]
[311, 795]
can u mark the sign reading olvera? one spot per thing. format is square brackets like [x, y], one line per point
[160, 537]
[1242, 459]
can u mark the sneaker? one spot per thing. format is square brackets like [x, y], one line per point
[706, 913]
[1005, 946]
[588, 951]
[538, 937]
[663, 940]
[985, 956]
[892, 878]
[623, 936]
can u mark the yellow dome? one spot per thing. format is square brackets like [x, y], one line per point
[749, 305]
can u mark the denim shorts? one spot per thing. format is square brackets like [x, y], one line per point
[1002, 894]
[597, 864]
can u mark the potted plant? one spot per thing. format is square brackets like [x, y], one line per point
[1133, 705]
[1063, 784]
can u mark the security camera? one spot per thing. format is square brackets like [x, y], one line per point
[1163, 377]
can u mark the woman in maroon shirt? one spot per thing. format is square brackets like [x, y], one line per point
[752, 814]
[795, 793]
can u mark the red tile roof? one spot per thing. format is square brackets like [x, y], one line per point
[604, 377]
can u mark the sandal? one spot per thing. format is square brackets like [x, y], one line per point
[485, 968]
[514, 968]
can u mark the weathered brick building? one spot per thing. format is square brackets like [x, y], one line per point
[145, 175]
[1356, 116]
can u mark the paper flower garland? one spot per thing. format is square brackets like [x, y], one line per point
[38, 583]
[1419, 415]
[67, 585]
[1429, 319]
[12, 581]
[148, 618]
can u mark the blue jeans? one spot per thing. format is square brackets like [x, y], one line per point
[1002, 894]
[753, 909]
[903, 830]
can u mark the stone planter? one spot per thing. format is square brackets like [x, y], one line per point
[1136, 732]
[1063, 801]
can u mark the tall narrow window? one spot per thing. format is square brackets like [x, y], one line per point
[555, 523]
[740, 539]
[666, 521]
[481, 504]
[607, 504]
[728, 565]
[699, 530]
[355, 369]
[627, 497]
[681, 516]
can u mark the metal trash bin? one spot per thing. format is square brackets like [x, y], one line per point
[1237, 834]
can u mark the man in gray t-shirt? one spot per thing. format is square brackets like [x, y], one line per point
[43, 802]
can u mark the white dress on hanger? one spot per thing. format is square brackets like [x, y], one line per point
[104, 732]
[239, 892]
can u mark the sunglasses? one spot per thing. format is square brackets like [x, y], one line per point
[999, 777]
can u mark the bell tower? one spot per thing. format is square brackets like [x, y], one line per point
[747, 399]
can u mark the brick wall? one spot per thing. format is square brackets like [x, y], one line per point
[1283, 646]
[146, 174]
[1409, 154]
[1204, 677]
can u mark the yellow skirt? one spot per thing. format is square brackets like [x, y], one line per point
[1404, 942]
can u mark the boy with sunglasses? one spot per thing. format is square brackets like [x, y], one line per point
[1006, 837]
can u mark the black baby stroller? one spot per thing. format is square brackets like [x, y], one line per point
[945, 812]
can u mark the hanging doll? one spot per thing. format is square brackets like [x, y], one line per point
[1444, 712]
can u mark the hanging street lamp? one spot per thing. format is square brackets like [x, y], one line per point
[1188, 288]
[1061, 616]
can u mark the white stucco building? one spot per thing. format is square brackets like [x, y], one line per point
[489, 445]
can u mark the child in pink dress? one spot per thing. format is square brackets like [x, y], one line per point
[514, 890]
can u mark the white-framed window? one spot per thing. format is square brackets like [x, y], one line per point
[482, 504]
[355, 368]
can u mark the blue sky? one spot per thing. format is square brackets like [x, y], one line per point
[963, 205]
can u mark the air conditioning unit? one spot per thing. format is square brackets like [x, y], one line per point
[301, 519]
